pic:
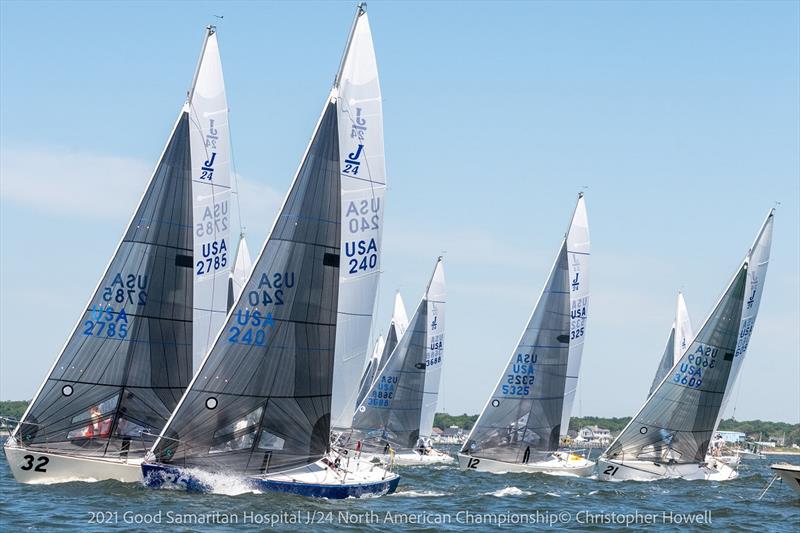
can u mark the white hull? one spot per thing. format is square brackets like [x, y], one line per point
[713, 470]
[410, 458]
[790, 474]
[730, 460]
[559, 464]
[35, 467]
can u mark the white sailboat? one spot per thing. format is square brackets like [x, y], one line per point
[259, 408]
[394, 421]
[158, 305]
[670, 435]
[522, 424]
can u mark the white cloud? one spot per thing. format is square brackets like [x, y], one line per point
[81, 184]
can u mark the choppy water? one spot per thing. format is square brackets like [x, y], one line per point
[437, 498]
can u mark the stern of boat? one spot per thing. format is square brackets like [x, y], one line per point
[43, 468]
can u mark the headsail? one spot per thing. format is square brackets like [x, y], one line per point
[397, 327]
[679, 338]
[129, 358]
[211, 192]
[363, 183]
[392, 409]
[260, 402]
[527, 410]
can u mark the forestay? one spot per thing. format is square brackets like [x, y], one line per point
[363, 183]
[523, 419]
[260, 402]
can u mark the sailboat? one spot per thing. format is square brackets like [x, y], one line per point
[393, 422]
[157, 306]
[384, 347]
[669, 437]
[259, 408]
[521, 426]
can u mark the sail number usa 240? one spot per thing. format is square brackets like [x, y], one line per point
[362, 220]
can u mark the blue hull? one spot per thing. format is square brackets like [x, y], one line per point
[158, 475]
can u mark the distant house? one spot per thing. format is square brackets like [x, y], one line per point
[594, 435]
[732, 437]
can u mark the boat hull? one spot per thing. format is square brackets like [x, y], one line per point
[36, 467]
[790, 474]
[410, 458]
[316, 481]
[609, 470]
[565, 465]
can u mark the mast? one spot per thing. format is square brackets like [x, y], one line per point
[210, 30]
[361, 8]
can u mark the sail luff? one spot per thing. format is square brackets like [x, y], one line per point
[105, 273]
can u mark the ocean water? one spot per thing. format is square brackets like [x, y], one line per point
[428, 499]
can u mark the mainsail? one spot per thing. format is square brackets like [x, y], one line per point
[260, 402]
[434, 349]
[211, 192]
[530, 407]
[677, 422]
[679, 338]
[756, 274]
[129, 358]
[363, 183]
[392, 409]
[372, 369]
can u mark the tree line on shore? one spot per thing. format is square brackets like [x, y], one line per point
[753, 428]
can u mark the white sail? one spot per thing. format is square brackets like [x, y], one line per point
[242, 266]
[399, 316]
[360, 124]
[211, 192]
[756, 274]
[679, 338]
[578, 259]
[434, 348]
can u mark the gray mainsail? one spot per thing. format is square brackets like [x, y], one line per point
[522, 421]
[129, 359]
[261, 400]
[676, 423]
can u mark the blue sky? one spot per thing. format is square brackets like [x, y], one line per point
[683, 119]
